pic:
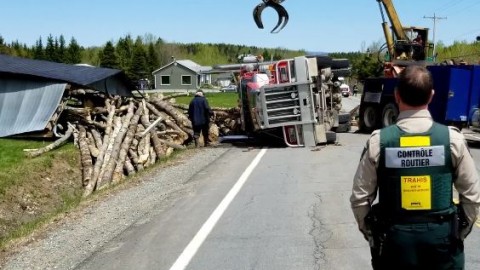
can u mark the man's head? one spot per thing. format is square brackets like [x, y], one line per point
[199, 93]
[414, 88]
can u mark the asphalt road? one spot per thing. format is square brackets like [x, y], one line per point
[289, 209]
[246, 208]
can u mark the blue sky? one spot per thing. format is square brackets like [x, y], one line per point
[315, 25]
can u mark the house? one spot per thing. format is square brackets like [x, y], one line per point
[31, 90]
[181, 75]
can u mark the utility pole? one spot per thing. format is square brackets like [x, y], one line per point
[434, 18]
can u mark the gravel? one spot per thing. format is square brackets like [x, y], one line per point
[75, 238]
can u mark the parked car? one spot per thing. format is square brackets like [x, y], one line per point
[345, 90]
[229, 88]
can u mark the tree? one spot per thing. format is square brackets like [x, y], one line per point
[124, 49]
[50, 49]
[108, 58]
[153, 61]
[139, 68]
[74, 52]
[61, 51]
[38, 52]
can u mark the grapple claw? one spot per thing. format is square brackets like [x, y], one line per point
[281, 11]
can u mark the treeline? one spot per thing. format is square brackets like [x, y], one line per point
[138, 57]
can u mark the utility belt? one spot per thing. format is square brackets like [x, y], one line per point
[414, 219]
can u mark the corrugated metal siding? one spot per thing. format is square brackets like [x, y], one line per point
[27, 105]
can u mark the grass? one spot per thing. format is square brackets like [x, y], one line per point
[222, 100]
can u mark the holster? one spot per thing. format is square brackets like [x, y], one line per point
[378, 225]
[459, 222]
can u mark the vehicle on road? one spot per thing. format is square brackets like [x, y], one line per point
[345, 89]
[229, 88]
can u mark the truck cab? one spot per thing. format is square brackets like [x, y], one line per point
[287, 99]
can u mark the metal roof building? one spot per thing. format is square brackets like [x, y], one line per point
[31, 90]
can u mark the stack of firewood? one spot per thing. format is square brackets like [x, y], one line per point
[125, 135]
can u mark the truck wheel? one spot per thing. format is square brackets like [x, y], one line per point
[340, 63]
[368, 119]
[389, 114]
[331, 137]
[324, 62]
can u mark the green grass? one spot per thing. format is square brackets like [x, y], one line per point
[222, 100]
[16, 167]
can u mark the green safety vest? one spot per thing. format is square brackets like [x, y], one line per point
[415, 172]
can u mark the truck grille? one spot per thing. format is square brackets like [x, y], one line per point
[282, 105]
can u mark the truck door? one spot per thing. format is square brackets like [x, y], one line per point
[458, 95]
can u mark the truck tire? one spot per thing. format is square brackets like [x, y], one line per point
[389, 114]
[340, 63]
[368, 118]
[344, 72]
[331, 137]
[324, 62]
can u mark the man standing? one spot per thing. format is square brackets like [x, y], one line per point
[199, 113]
[412, 165]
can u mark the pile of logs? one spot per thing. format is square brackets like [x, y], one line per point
[118, 136]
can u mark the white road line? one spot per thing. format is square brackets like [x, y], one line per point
[184, 259]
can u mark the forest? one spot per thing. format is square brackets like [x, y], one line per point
[138, 57]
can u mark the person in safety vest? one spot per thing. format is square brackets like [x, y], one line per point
[413, 166]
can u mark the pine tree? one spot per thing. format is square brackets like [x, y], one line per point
[139, 68]
[108, 58]
[61, 52]
[152, 59]
[74, 52]
[124, 49]
[38, 52]
[50, 49]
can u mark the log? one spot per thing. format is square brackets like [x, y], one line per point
[157, 144]
[37, 152]
[128, 167]
[180, 118]
[173, 145]
[187, 132]
[122, 155]
[97, 138]
[98, 164]
[150, 127]
[176, 95]
[108, 154]
[118, 144]
[85, 156]
[92, 145]
[143, 149]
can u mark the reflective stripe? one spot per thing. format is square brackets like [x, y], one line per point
[412, 157]
[415, 141]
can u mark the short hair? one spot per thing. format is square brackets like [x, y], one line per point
[415, 85]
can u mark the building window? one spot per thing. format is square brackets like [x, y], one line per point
[165, 80]
[186, 80]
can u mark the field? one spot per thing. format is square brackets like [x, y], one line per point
[222, 100]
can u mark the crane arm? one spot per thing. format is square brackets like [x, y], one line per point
[394, 20]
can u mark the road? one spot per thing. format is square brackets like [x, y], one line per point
[291, 211]
[249, 208]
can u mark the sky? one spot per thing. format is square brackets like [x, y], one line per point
[314, 25]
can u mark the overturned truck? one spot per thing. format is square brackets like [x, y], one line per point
[296, 101]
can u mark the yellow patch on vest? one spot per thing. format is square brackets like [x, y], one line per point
[416, 192]
[415, 141]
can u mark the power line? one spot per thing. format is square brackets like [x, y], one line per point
[434, 18]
